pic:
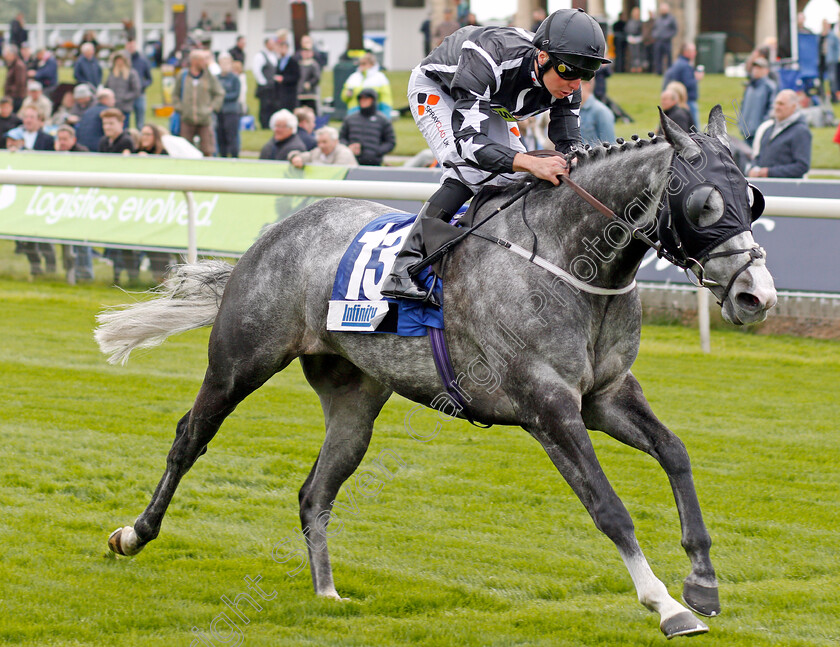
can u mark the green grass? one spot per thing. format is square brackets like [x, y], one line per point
[638, 94]
[477, 541]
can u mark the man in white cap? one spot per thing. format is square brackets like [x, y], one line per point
[35, 97]
[82, 100]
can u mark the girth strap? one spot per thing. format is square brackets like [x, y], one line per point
[443, 364]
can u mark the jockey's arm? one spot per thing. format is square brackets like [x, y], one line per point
[545, 168]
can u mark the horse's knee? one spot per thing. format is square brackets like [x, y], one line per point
[612, 519]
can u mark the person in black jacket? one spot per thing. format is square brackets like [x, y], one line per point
[286, 77]
[285, 139]
[34, 138]
[466, 97]
[368, 133]
[115, 139]
[8, 119]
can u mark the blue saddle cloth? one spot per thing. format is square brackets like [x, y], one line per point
[356, 303]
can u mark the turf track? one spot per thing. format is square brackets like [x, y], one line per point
[476, 541]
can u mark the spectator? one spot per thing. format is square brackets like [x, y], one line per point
[238, 50]
[320, 56]
[328, 152]
[14, 141]
[8, 119]
[426, 30]
[63, 111]
[672, 108]
[782, 145]
[683, 71]
[89, 130]
[597, 122]
[129, 31]
[34, 138]
[229, 24]
[28, 58]
[837, 135]
[115, 139]
[18, 34]
[90, 37]
[227, 119]
[15, 85]
[263, 66]
[310, 78]
[286, 76]
[367, 132]
[368, 75]
[758, 99]
[619, 30]
[82, 100]
[124, 81]
[285, 138]
[35, 97]
[78, 259]
[537, 17]
[139, 64]
[306, 126]
[198, 94]
[446, 27]
[47, 71]
[664, 29]
[635, 49]
[87, 68]
[65, 140]
[151, 141]
[204, 23]
[647, 41]
[243, 86]
[830, 52]
[531, 135]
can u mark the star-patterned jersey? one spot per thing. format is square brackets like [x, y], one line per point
[489, 70]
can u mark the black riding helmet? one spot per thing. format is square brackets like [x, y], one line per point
[574, 43]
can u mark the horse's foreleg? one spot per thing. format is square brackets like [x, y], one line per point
[626, 415]
[351, 402]
[560, 430]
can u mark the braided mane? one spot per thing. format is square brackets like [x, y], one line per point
[586, 153]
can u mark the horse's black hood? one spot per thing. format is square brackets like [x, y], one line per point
[691, 183]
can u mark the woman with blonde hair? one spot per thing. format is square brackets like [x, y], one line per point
[124, 81]
[682, 96]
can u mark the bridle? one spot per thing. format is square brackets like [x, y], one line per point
[695, 268]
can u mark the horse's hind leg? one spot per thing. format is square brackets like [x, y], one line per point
[558, 427]
[235, 370]
[351, 402]
[626, 415]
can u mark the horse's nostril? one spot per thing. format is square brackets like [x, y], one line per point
[748, 301]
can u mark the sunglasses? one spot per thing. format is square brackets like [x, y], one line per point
[569, 73]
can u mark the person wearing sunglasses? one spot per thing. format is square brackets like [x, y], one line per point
[466, 97]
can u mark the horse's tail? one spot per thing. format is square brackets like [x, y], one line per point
[188, 299]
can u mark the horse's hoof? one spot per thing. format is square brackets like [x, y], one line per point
[124, 541]
[333, 595]
[682, 624]
[701, 599]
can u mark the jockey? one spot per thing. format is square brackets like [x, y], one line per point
[466, 97]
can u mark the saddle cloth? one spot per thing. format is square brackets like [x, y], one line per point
[356, 303]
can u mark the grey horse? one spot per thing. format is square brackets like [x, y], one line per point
[560, 355]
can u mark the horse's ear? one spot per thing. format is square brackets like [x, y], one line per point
[717, 126]
[678, 138]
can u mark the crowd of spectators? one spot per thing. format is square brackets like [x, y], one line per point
[210, 98]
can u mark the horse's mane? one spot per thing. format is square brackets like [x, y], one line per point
[584, 154]
[587, 154]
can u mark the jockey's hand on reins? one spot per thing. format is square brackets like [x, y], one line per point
[550, 167]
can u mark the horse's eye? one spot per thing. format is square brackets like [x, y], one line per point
[704, 206]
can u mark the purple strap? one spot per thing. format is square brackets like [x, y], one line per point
[443, 363]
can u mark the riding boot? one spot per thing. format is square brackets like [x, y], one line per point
[399, 284]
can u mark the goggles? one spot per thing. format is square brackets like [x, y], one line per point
[569, 72]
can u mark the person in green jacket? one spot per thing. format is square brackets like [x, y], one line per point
[198, 94]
